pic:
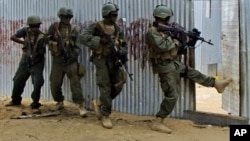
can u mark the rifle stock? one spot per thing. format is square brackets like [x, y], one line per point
[194, 34]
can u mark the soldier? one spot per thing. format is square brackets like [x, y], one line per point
[31, 64]
[110, 78]
[163, 54]
[65, 50]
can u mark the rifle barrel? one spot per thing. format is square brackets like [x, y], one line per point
[187, 33]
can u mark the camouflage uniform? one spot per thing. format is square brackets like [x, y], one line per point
[35, 47]
[169, 69]
[110, 78]
[71, 67]
[163, 54]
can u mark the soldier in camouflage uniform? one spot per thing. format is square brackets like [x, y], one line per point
[163, 54]
[64, 48]
[110, 78]
[31, 64]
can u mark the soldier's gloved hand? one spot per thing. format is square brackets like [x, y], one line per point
[192, 42]
[104, 40]
[123, 56]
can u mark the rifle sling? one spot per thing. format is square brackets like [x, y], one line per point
[37, 38]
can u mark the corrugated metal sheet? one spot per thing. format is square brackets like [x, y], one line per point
[244, 58]
[141, 96]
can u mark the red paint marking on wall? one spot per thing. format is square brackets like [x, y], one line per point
[135, 34]
[7, 29]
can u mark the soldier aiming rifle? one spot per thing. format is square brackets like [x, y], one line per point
[179, 32]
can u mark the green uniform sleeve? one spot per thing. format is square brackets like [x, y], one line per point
[88, 37]
[21, 33]
[50, 30]
[75, 36]
[50, 33]
[158, 42]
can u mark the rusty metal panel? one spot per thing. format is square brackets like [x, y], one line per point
[244, 59]
[141, 96]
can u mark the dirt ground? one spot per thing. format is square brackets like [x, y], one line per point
[69, 126]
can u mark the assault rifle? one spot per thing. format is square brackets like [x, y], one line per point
[178, 32]
[119, 57]
[61, 44]
[29, 60]
[121, 60]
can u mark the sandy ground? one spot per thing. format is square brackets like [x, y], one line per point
[69, 126]
[208, 100]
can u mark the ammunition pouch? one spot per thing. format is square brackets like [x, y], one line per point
[104, 50]
[53, 47]
[122, 79]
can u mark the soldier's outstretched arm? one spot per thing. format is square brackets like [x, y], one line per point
[17, 37]
[88, 37]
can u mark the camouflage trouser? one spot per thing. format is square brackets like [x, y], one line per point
[22, 75]
[107, 76]
[170, 84]
[57, 74]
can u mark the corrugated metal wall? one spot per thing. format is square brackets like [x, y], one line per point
[141, 96]
[244, 58]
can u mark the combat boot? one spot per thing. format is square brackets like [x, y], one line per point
[36, 111]
[96, 105]
[35, 107]
[220, 85]
[158, 126]
[106, 122]
[11, 103]
[83, 112]
[58, 106]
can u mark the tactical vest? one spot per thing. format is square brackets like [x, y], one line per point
[32, 38]
[167, 55]
[65, 32]
[111, 30]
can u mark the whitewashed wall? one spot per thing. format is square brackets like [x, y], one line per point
[230, 52]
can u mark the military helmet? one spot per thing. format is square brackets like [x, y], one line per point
[34, 20]
[109, 7]
[162, 11]
[64, 11]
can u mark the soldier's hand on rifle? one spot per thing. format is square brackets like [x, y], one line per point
[123, 55]
[191, 42]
